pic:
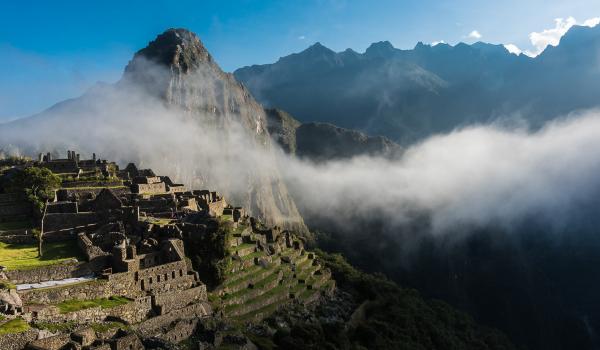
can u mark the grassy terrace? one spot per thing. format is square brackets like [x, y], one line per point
[157, 221]
[25, 256]
[245, 245]
[225, 218]
[76, 304]
[17, 325]
[279, 290]
[258, 285]
[243, 275]
[15, 225]
[267, 309]
[251, 256]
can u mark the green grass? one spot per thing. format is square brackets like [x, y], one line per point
[258, 285]
[25, 256]
[226, 218]
[157, 221]
[235, 278]
[76, 304]
[7, 285]
[56, 327]
[17, 325]
[271, 292]
[245, 245]
[251, 256]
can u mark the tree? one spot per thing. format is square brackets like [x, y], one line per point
[39, 186]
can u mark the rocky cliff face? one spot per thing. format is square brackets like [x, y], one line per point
[177, 68]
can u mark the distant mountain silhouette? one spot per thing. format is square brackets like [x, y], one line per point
[409, 94]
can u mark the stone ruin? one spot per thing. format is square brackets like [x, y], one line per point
[132, 233]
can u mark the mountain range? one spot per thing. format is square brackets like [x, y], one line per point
[408, 95]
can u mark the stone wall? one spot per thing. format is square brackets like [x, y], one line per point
[181, 331]
[87, 193]
[56, 342]
[153, 326]
[133, 312]
[89, 249]
[17, 341]
[69, 221]
[149, 188]
[22, 236]
[82, 291]
[47, 273]
[162, 278]
[14, 207]
[62, 207]
[217, 207]
[166, 302]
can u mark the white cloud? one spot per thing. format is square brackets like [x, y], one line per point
[517, 175]
[301, 37]
[541, 40]
[438, 42]
[592, 22]
[474, 35]
[512, 48]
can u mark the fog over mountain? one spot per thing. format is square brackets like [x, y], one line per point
[408, 95]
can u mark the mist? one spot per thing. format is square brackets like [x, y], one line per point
[472, 177]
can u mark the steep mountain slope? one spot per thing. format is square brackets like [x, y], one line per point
[410, 94]
[174, 110]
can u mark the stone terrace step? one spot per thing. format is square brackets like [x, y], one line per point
[260, 287]
[245, 249]
[250, 278]
[261, 313]
[271, 296]
[242, 274]
[306, 272]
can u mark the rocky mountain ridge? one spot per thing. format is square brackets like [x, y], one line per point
[408, 95]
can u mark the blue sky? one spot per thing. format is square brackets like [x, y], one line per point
[53, 50]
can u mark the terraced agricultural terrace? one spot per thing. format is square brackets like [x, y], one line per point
[119, 256]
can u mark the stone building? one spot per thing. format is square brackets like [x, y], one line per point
[73, 165]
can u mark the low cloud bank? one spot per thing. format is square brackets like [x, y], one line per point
[475, 176]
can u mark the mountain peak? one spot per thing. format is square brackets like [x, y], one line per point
[318, 48]
[381, 48]
[177, 48]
